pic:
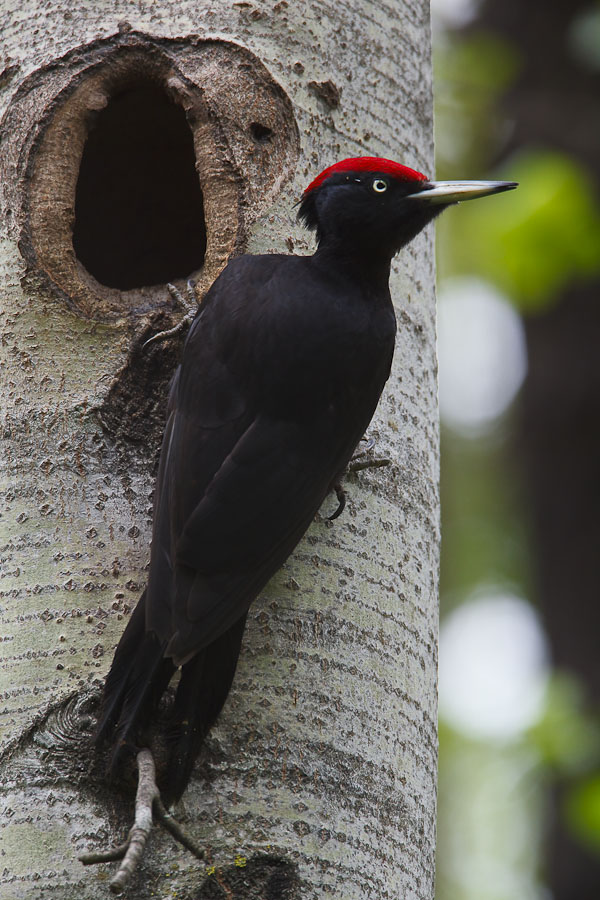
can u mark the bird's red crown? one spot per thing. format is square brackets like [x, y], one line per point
[367, 164]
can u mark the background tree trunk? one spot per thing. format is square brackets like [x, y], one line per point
[320, 776]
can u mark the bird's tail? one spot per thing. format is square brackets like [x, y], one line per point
[205, 683]
[138, 676]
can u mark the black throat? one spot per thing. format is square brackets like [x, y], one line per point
[358, 260]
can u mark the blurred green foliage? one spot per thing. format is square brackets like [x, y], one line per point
[583, 812]
[531, 243]
[568, 740]
[567, 737]
[584, 36]
[491, 803]
[470, 73]
[484, 535]
[535, 241]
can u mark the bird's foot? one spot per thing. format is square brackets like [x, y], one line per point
[341, 495]
[360, 460]
[147, 802]
[188, 302]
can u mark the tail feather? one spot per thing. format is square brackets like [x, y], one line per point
[138, 676]
[147, 679]
[117, 678]
[205, 683]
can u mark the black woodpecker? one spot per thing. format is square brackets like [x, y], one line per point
[282, 371]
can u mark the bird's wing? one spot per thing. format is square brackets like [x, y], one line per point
[251, 516]
[207, 415]
[241, 477]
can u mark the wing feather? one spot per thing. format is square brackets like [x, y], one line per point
[247, 461]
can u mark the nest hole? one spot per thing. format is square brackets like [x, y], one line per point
[139, 212]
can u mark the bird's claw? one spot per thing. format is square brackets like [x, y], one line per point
[340, 493]
[188, 302]
[359, 461]
[368, 444]
[147, 802]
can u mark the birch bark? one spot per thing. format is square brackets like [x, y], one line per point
[319, 779]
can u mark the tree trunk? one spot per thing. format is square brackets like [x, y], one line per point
[319, 779]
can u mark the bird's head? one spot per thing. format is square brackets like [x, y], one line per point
[381, 204]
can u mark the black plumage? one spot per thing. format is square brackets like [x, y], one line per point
[282, 370]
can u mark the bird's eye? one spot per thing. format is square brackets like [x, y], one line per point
[379, 185]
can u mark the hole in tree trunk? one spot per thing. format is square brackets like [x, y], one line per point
[130, 162]
[261, 133]
[139, 216]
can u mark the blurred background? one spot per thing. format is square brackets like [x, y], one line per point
[518, 98]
